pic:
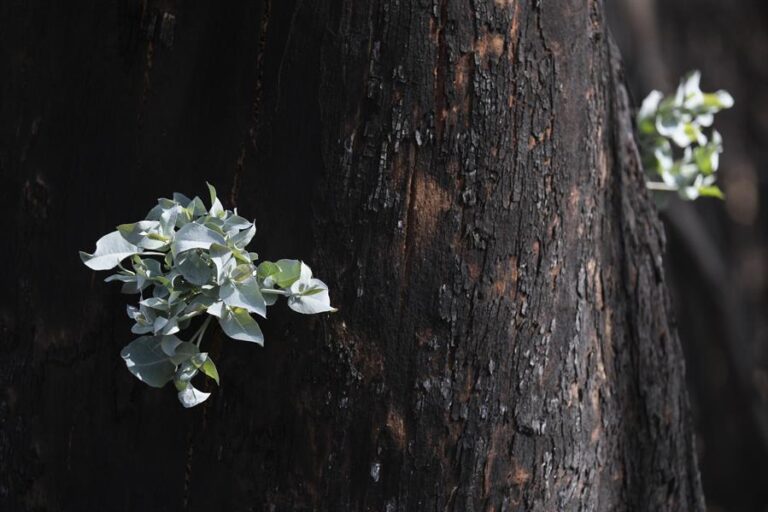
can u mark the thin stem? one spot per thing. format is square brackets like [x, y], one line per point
[275, 292]
[121, 267]
[660, 186]
[200, 332]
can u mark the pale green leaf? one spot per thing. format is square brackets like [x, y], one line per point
[145, 233]
[243, 238]
[310, 297]
[289, 273]
[194, 268]
[216, 309]
[238, 324]
[111, 249]
[244, 294]
[711, 191]
[195, 236]
[209, 368]
[190, 396]
[145, 359]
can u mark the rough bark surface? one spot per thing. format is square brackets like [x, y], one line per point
[462, 174]
[717, 253]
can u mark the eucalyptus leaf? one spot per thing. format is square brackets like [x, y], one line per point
[243, 238]
[195, 236]
[111, 249]
[266, 269]
[223, 259]
[289, 273]
[235, 224]
[190, 396]
[145, 233]
[216, 208]
[194, 267]
[216, 309]
[209, 369]
[145, 359]
[181, 199]
[310, 297]
[238, 324]
[186, 370]
[178, 351]
[245, 294]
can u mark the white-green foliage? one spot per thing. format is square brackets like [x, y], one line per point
[189, 261]
[673, 139]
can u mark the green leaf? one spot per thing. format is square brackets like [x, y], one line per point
[210, 370]
[211, 191]
[168, 219]
[189, 396]
[647, 113]
[155, 303]
[217, 209]
[706, 159]
[199, 304]
[238, 324]
[266, 269]
[181, 199]
[122, 277]
[244, 294]
[289, 273]
[223, 259]
[196, 207]
[718, 100]
[241, 272]
[144, 234]
[310, 297]
[145, 359]
[164, 325]
[195, 236]
[711, 191]
[235, 224]
[178, 351]
[243, 238]
[186, 370]
[111, 249]
[204, 363]
[194, 268]
[216, 309]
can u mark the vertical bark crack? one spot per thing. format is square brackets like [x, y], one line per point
[253, 128]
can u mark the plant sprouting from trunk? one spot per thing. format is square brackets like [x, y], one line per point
[189, 261]
[674, 142]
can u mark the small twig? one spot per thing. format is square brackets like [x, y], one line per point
[660, 186]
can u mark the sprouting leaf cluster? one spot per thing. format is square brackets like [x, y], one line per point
[674, 139]
[188, 261]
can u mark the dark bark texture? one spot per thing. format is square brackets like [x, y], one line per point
[718, 251]
[462, 174]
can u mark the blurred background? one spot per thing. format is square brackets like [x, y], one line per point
[717, 254]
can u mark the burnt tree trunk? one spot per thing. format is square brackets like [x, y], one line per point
[462, 174]
[717, 251]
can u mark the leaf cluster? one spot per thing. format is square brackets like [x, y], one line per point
[674, 142]
[189, 261]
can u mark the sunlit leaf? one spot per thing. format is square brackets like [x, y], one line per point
[111, 249]
[238, 324]
[189, 396]
[145, 358]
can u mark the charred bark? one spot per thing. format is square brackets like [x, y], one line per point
[717, 257]
[464, 176]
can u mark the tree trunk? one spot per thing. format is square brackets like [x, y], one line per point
[717, 251]
[464, 177]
